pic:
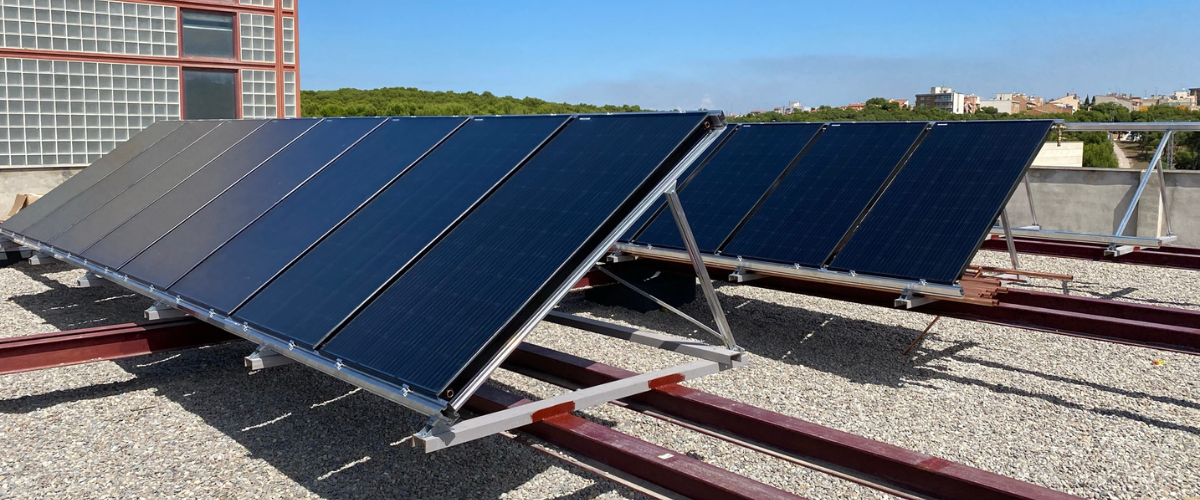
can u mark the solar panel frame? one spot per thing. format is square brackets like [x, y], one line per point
[116, 182]
[483, 361]
[947, 275]
[86, 178]
[176, 288]
[246, 312]
[83, 234]
[222, 175]
[742, 156]
[738, 244]
[166, 281]
[685, 177]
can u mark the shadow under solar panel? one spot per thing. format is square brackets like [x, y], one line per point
[139, 232]
[87, 177]
[722, 193]
[118, 181]
[819, 201]
[231, 274]
[312, 297]
[204, 232]
[443, 324]
[934, 215]
[153, 186]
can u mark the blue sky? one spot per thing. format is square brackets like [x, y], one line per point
[742, 55]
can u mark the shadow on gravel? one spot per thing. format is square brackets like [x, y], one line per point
[71, 308]
[1095, 290]
[860, 351]
[334, 440]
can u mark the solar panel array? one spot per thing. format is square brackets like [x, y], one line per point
[416, 250]
[901, 200]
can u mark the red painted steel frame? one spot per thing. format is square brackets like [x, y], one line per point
[881, 463]
[667, 468]
[1157, 327]
[1176, 257]
[50, 350]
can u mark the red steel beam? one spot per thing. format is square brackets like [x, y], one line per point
[667, 468]
[1176, 257]
[1157, 327]
[50, 350]
[881, 465]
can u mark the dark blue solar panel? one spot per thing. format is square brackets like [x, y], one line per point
[153, 186]
[321, 289]
[118, 181]
[683, 180]
[83, 180]
[721, 194]
[932, 218]
[459, 304]
[804, 219]
[251, 258]
[180, 250]
[139, 232]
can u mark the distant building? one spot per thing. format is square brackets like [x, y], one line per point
[1069, 100]
[858, 106]
[945, 98]
[902, 102]
[1013, 102]
[1126, 101]
[1050, 108]
[1181, 99]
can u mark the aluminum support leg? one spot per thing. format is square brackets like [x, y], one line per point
[689, 241]
[1137, 195]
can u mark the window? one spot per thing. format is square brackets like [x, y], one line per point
[208, 35]
[209, 94]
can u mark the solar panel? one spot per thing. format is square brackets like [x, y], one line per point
[143, 229]
[720, 195]
[818, 202]
[934, 215]
[118, 181]
[326, 285]
[87, 177]
[180, 250]
[446, 321]
[153, 186]
[264, 248]
[683, 180]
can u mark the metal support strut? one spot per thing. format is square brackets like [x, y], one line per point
[1137, 195]
[689, 241]
[1008, 237]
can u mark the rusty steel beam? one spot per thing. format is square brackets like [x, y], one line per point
[669, 469]
[1168, 256]
[862, 460]
[50, 350]
[1119, 322]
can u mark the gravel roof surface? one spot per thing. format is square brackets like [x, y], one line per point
[1090, 418]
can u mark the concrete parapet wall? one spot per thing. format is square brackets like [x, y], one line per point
[38, 180]
[1093, 200]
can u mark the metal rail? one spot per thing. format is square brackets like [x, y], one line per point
[1175, 257]
[865, 461]
[1131, 126]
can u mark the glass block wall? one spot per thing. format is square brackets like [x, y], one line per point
[95, 26]
[289, 94]
[258, 37]
[289, 4]
[289, 40]
[258, 94]
[259, 3]
[72, 112]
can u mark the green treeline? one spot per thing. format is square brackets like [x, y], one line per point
[400, 101]
[1098, 147]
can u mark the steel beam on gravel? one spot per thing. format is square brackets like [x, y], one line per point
[879, 465]
[51, 350]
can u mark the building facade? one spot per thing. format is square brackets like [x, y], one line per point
[79, 77]
[945, 98]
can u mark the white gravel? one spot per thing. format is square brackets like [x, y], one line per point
[1089, 418]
